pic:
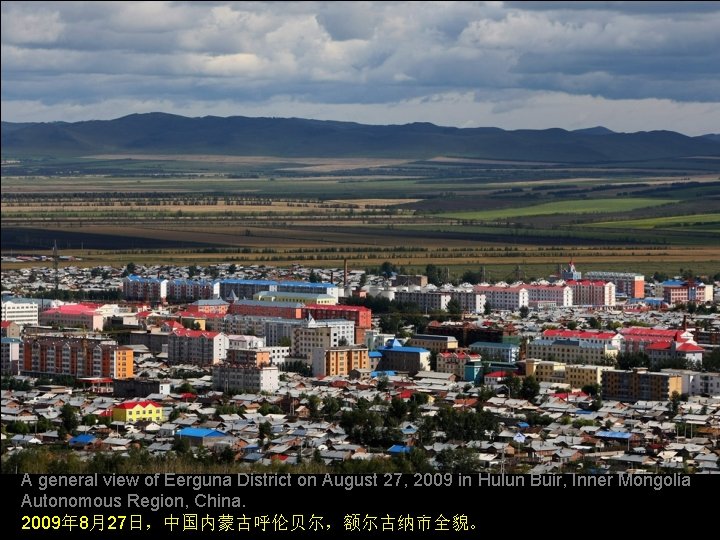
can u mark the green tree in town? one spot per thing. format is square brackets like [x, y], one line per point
[530, 387]
[454, 309]
[69, 416]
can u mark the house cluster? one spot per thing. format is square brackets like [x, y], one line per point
[550, 433]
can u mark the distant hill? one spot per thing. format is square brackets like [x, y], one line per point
[294, 137]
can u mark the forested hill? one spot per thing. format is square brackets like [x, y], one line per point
[294, 137]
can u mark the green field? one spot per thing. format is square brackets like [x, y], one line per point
[582, 206]
[261, 210]
[704, 221]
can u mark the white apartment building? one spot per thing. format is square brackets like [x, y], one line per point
[509, 298]
[429, 301]
[244, 378]
[12, 350]
[196, 347]
[695, 383]
[21, 313]
[324, 334]
[549, 296]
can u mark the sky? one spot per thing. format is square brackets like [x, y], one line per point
[629, 66]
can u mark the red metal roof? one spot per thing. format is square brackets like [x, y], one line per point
[133, 404]
[578, 334]
[496, 374]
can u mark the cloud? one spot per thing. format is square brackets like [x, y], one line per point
[347, 57]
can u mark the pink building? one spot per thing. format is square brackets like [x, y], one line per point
[86, 316]
[592, 293]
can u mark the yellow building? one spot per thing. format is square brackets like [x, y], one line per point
[434, 343]
[133, 411]
[578, 376]
[303, 298]
[545, 370]
[339, 360]
[639, 384]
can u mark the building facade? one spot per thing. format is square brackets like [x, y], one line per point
[245, 378]
[496, 352]
[396, 357]
[78, 357]
[22, 313]
[197, 347]
[11, 354]
[592, 293]
[138, 288]
[627, 284]
[135, 411]
[73, 316]
[639, 384]
[505, 298]
[549, 296]
[455, 362]
[339, 361]
[433, 343]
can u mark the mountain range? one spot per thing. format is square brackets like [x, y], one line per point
[153, 133]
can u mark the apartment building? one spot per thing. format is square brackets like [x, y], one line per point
[244, 288]
[549, 296]
[189, 290]
[496, 352]
[341, 361]
[198, 347]
[697, 383]
[79, 357]
[301, 297]
[455, 362]
[11, 355]
[433, 342]
[321, 334]
[309, 287]
[138, 288]
[21, 313]
[627, 284]
[84, 316]
[428, 301]
[639, 384]
[575, 347]
[506, 298]
[592, 293]
[396, 357]
[245, 378]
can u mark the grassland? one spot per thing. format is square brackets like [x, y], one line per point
[451, 211]
[581, 206]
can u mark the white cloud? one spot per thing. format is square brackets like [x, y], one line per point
[453, 63]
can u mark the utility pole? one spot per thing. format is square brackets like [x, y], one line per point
[55, 268]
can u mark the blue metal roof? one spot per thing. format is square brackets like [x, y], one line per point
[613, 434]
[82, 439]
[381, 373]
[200, 432]
[250, 281]
[307, 284]
[399, 449]
[404, 349]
